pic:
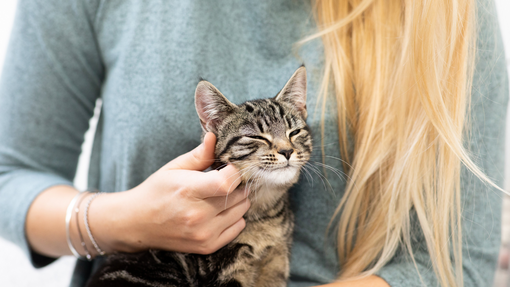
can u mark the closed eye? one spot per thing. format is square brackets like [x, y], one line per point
[293, 133]
[260, 138]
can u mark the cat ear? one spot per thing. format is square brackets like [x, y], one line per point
[212, 107]
[294, 92]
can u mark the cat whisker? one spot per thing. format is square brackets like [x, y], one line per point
[252, 179]
[256, 178]
[309, 171]
[221, 161]
[248, 184]
[321, 176]
[248, 188]
[230, 177]
[332, 157]
[308, 176]
[246, 170]
[338, 172]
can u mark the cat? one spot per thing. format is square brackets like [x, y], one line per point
[269, 141]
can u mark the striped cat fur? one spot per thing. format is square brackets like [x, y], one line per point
[268, 141]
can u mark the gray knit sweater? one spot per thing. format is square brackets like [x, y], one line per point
[144, 59]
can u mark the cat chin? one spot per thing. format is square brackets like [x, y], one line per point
[282, 176]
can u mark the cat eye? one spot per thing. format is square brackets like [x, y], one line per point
[260, 138]
[293, 133]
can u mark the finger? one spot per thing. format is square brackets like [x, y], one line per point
[221, 182]
[199, 158]
[222, 203]
[229, 216]
[231, 233]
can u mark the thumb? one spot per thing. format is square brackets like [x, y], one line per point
[199, 158]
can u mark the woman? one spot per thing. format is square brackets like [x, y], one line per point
[391, 84]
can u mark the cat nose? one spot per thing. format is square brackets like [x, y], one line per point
[287, 153]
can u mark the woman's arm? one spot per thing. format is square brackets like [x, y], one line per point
[50, 81]
[178, 208]
[45, 226]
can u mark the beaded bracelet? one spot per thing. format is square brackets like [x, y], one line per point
[69, 214]
[101, 252]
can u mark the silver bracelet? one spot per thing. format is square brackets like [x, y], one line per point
[101, 252]
[83, 244]
[69, 214]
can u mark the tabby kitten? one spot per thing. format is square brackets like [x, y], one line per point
[268, 141]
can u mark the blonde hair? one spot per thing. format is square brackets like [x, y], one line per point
[401, 72]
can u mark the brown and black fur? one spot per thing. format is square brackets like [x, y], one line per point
[268, 141]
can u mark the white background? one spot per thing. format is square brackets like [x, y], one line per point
[16, 271]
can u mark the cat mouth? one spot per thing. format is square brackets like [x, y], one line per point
[280, 166]
[287, 166]
[283, 167]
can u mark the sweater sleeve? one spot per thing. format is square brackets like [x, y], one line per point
[50, 81]
[481, 203]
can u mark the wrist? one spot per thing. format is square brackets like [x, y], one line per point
[98, 224]
[110, 223]
[72, 217]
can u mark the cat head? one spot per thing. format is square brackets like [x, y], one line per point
[266, 138]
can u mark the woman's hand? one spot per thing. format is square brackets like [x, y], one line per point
[370, 281]
[178, 208]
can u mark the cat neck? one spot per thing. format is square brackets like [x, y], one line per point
[264, 198]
